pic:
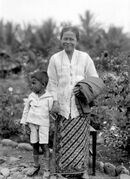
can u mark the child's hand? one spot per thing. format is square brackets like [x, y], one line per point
[76, 91]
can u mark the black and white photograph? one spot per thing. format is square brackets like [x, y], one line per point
[65, 89]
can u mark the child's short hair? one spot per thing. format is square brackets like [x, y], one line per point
[40, 76]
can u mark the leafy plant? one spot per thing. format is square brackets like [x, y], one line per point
[111, 110]
[10, 113]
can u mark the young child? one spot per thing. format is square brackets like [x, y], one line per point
[36, 116]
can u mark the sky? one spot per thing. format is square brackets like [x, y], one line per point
[106, 12]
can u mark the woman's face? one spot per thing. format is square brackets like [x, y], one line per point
[69, 41]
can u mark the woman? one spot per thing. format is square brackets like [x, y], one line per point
[65, 70]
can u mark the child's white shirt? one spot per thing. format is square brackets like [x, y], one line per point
[36, 109]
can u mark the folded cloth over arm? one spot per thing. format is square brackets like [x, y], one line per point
[89, 89]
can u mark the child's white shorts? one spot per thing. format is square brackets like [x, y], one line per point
[39, 134]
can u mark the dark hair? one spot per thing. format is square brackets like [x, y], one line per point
[40, 76]
[72, 29]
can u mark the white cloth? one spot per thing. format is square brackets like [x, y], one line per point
[64, 74]
[36, 110]
[39, 134]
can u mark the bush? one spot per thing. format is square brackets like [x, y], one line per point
[111, 109]
[11, 106]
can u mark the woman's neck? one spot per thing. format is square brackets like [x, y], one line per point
[70, 54]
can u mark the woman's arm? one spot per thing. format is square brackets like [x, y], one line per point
[53, 78]
[52, 84]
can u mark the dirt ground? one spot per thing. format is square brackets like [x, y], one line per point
[26, 158]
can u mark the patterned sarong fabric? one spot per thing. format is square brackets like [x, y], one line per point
[71, 146]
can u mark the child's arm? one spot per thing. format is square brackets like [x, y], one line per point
[25, 112]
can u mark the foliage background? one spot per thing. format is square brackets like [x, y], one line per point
[24, 50]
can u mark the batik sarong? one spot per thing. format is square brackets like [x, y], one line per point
[71, 145]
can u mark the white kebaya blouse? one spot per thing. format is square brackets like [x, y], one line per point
[64, 74]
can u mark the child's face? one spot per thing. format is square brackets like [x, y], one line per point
[36, 86]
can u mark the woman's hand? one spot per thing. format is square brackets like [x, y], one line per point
[76, 91]
[55, 107]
